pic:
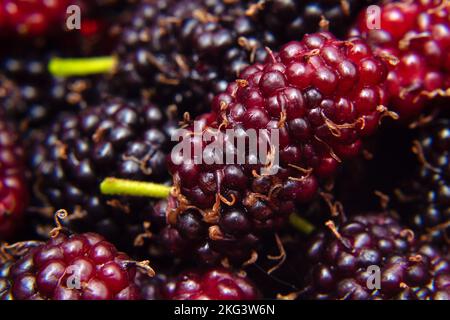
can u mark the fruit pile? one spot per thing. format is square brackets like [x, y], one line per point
[127, 161]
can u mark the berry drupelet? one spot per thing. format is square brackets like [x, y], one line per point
[340, 257]
[322, 96]
[187, 51]
[75, 267]
[116, 139]
[418, 35]
[424, 200]
[13, 188]
[210, 284]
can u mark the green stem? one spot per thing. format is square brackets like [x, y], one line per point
[66, 67]
[303, 225]
[113, 186]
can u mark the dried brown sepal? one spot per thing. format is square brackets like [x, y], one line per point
[416, 258]
[335, 129]
[345, 7]
[282, 121]
[98, 134]
[418, 151]
[147, 234]
[168, 81]
[336, 207]
[18, 249]
[248, 46]
[116, 203]
[433, 94]
[255, 8]
[403, 285]
[289, 296]
[181, 62]
[389, 58]
[324, 24]
[385, 112]
[424, 120]
[330, 224]
[61, 150]
[59, 215]
[204, 16]
[405, 42]
[242, 83]
[253, 258]
[281, 257]
[142, 265]
[332, 153]
[228, 202]
[271, 54]
[141, 162]
[408, 234]
[215, 233]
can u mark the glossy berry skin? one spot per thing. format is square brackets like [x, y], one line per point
[210, 284]
[321, 98]
[418, 35]
[32, 18]
[75, 267]
[13, 187]
[172, 48]
[339, 260]
[73, 155]
[424, 198]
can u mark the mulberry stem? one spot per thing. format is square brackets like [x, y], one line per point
[114, 186]
[301, 224]
[66, 67]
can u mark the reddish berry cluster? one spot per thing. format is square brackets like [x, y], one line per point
[418, 34]
[323, 95]
[13, 190]
[76, 267]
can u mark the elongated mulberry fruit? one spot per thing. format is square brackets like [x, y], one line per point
[345, 260]
[74, 154]
[322, 95]
[418, 35]
[13, 187]
[75, 267]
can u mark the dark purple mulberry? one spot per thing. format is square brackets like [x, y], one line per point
[339, 258]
